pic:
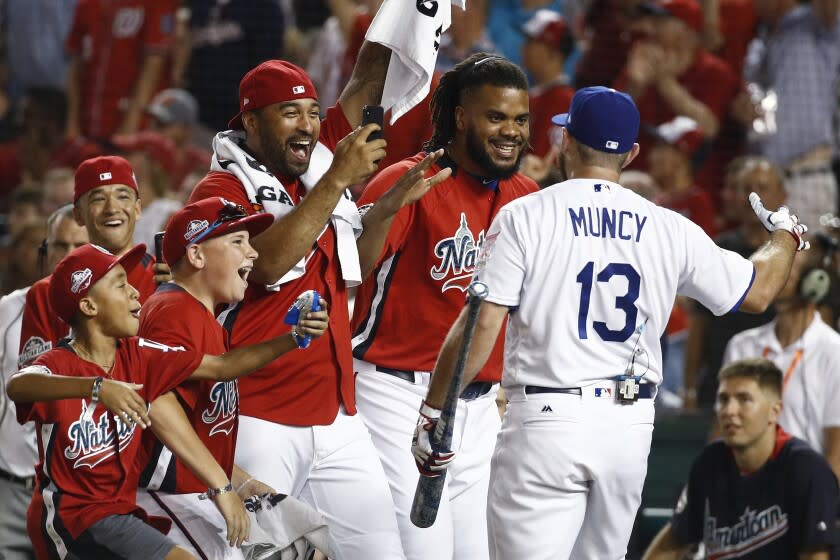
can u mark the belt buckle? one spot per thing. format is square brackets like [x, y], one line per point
[627, 388]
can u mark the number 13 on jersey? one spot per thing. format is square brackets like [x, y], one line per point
[589, 281]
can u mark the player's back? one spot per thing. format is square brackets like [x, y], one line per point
[602, 267]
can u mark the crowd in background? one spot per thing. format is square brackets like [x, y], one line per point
[735, 96]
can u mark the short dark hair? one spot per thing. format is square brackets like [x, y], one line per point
[593, 157]
[26, 195]
[65, 211]
[762, 370]
[468, 75]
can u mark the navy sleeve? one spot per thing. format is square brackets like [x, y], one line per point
[687, 522]
[815, 499]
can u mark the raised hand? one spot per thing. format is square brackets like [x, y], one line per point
[781, 219]
[355, 159]
[413, 185]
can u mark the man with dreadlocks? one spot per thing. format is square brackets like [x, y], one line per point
[480, 117]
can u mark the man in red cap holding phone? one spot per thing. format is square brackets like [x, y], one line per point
[280, 158]
[106, 200]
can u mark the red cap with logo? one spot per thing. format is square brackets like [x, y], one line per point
[76, 274]
[273, 81]
[102, 171]
[683, 133]
[205, 220]
[547, 26]
[688, 11]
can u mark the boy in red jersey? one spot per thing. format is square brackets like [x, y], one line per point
[84, 505]
[209, 268]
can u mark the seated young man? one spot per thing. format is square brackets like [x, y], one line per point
[86, 481]
[207, 246]
[758, 493]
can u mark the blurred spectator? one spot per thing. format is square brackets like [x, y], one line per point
[793, 66]
[466, 35]
[708, 334]
[24, 208]
[159, 200]
[640, 183]
[174, 115]
[610, 27]
[321, 66]
[674, 76]
[57, 190]
[42, 144]
[22, 267]
[35, 34]
[505, 20]
[118, 52]
[728, 28]
[228, 38]
[670, 164]
[548, 43]
[808, 352]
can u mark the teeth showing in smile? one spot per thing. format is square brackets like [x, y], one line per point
[113, 223]
[505, 149]
[300, 149]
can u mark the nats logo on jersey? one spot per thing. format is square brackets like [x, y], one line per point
[96, 440]
[127, 22]
[457, 256]
[753, 530]
[225, 398]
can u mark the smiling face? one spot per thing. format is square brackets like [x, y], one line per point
[284, 134]
[115, 303]
[225, 262]
[745, 411]
[493, 123]
[109, 214]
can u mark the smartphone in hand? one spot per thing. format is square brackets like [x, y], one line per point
[159, 247]
[373, 114]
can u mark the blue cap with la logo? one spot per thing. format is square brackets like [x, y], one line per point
[603, 119]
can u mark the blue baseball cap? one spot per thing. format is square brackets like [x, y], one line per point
[603, 119]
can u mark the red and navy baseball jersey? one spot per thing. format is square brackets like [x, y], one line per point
[87, 469]
[299, 388]
[175, 318]
[426, 266]
[786, 507]
[41, 329]
[111, 37]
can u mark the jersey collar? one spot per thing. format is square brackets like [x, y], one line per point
[487, 182]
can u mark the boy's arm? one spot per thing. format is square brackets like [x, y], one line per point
[242, 361]
[173, 429]
[120, 398]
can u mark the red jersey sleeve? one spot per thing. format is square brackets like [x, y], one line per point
[218, 183]
[164, 367]
[159, 25]
[334, 127]
[78, 29]
[378, 186]
[40, 328]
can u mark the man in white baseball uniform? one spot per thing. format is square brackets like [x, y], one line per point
[587, 272]
[807, 351]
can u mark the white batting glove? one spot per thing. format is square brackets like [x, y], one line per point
[781, 219]
[429, 462]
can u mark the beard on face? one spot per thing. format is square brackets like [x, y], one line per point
[478, 152]
[276, 151]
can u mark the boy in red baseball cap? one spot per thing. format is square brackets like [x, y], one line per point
[207, 245]
[84, 502]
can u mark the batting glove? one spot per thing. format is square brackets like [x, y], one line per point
[429, 462]
[781, 219]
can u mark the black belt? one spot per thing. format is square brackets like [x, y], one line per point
[646, 390]
[470, 392]
[27, 482]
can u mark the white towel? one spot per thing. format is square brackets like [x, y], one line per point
[229, 157]
[413, 34]
[283, 523]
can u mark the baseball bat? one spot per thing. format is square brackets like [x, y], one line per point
[429, 489]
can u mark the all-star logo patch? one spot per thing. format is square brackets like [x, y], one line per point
[194, 228]
[80, 280]
[33, 348]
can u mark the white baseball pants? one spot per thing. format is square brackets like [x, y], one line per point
[197, 524]
[567, 476]
[336, 470]
[389, 407]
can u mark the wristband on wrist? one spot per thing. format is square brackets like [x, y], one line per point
[94, 392]
[429, 411]
[241, 486]
[213, 492]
